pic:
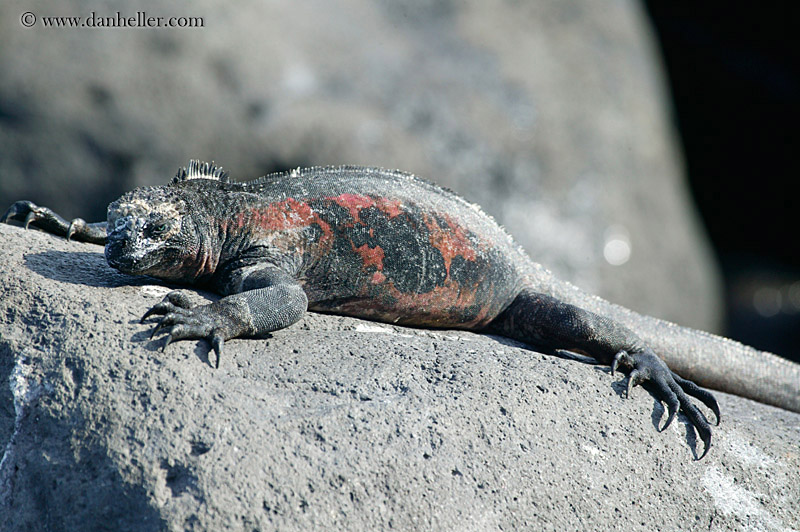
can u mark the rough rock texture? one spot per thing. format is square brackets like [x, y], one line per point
[339, 424]
[550, 114]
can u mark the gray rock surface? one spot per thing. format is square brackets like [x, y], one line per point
[340, 424]
[550, 114]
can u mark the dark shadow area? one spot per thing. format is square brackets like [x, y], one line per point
[205, 354]
[50, 490]
[735, 82]
[695, 444]
[7, 413]
[53, 483]
[155, 345]
[80, 267]
[90, 269]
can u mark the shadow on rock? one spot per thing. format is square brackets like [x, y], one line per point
[53, 491]
[155, 343]
[6, 398]
[79, 267]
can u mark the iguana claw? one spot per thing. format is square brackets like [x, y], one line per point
[186, 322]
[28, 219]
[76, 226]
[171, 302]
[647, 369]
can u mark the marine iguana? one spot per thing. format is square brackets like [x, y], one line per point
[387, 246]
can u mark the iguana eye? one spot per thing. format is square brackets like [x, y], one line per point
[158, 228]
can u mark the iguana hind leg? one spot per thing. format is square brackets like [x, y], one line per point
[44, 218]
[546, 322]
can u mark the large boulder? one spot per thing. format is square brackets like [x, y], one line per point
[550, 114]
[340, 424]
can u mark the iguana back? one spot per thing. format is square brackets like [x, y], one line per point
[383, 245]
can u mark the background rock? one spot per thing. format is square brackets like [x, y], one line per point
[340, 424]
[549, 114]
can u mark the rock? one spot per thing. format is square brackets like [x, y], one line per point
[549, 114]
[340, 424]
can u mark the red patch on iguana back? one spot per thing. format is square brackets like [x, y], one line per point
[371, 256]
[355, 203]
[284, 215]
[451, 241]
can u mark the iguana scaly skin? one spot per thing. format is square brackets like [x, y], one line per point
[387, 246]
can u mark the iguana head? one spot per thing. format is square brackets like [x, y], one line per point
[145, 232]
[152, 230]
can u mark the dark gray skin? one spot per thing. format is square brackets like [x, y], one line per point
[387, 246]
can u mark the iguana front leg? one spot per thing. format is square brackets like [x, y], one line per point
[44, 218]
[269, 300]
[546, 322]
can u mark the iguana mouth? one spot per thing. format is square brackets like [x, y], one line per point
[122, 263]
[120, 256]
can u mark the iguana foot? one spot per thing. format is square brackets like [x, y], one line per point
[648, 369]
[181, 321]
[29, 213]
